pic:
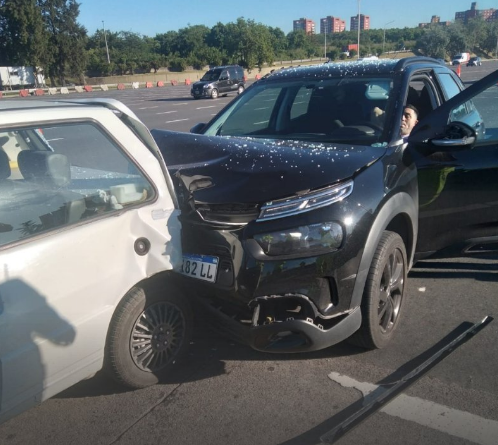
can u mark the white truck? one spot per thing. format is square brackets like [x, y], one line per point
[460, 59]
[19, 77]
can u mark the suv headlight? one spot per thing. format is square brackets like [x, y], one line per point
[208, 85]
[308, 240]
[306, 202]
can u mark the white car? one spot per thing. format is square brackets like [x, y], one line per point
[89, 242]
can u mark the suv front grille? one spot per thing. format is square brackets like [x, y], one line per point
[236, 214]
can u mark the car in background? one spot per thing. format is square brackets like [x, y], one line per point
[303, 208]
[460, 59]
[219, 80]
[474, 61]
[89, 240]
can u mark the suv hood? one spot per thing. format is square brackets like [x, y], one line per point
[201, 83]
[220, 170]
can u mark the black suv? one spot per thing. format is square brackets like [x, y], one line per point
[303, 209]
[219, 80]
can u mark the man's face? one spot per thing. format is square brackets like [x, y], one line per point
[408, 121]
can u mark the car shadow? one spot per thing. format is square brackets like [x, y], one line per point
[205, 359]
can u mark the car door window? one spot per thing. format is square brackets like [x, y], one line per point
[480, 114]
[57, 176]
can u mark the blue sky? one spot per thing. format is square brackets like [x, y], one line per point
[151, 17]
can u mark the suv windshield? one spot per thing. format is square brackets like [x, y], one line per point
[331, 110]
[211, 75]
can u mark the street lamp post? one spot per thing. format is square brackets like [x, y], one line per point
[359, 26]
[384, 41]
[325, 45]
[106, 47]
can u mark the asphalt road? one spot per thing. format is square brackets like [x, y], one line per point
[226, 393]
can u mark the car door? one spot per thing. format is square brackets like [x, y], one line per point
[224, 82]
[73, 203]
[456, 152]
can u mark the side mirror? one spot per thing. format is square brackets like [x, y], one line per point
[455, 136]
[197, 128]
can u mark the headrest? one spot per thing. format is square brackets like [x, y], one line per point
[44, 166]
[4, 165]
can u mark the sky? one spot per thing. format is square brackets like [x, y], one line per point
[151, 17]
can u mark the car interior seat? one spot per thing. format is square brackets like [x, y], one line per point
[51, 172]
[4, 166]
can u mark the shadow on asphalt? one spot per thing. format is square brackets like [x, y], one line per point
[205, 359]
[453, 270]
[210, 350]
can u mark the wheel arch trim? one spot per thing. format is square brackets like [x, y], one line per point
[401, 203]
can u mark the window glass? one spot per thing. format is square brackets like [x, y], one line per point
[301, 102]
[331, 110]
[59, 175]
[449, 85]
[480, 114]
[253, 116]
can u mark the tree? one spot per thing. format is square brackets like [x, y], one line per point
[458, 39]
[433, 42]
[23, 38]
[66, 37]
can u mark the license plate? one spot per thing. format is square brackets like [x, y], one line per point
[202, 267]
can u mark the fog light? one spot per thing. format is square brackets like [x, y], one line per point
[308, 240]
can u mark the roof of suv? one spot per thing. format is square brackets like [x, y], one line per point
[340, 69]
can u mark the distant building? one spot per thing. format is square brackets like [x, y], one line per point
[307, 25]
[486, 14]
[364, 22]
[435, 20]
[332, 24]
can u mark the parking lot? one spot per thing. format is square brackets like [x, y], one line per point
[227, 393]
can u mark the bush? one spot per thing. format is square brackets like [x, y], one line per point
[177, 64]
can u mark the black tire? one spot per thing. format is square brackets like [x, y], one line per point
[240, 89]
[214, 93]
[142, 316]
[383, 296]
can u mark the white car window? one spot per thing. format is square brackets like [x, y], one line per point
[59, 175]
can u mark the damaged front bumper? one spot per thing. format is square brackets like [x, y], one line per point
[285, 324]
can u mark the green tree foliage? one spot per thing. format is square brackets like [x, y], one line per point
[46, 33]
[434, 42]
[67, 39]
[23, 36]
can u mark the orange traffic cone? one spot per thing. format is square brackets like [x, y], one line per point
[458, 70]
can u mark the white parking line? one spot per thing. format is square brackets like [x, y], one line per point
[147, 108]
[202, 108]
[167, 112]
[433, 415]
[178, 120]
[181, 103]
[54, 139]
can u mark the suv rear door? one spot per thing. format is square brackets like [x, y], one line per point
[456, 151]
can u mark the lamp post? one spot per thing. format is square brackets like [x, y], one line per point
[359, 26]
[384, 41]
[325, 44]
[106, 47]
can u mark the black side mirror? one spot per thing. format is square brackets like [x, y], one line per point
[197, 128]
